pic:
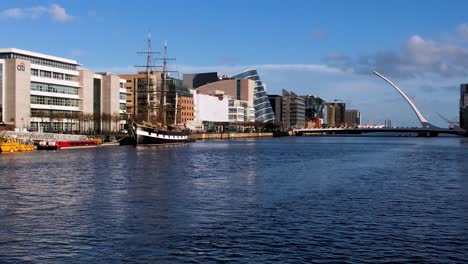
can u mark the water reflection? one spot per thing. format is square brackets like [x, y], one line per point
[282, 200]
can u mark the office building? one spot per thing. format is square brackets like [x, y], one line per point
[276, 102]
[240, 111]
[185, 109]
[293, 114]
[464, 106]
[240, 93]
[41, 92]
[314, 106]
[195, 80]
[238, 89]
[142, 100]
[263, 110]
[352, 118]
[211, 112]
[336, 114]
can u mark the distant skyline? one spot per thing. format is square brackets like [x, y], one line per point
[322, 48]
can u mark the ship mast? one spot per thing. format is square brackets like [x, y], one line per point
[162, 112]
[163, 98]
[148, 68]
[148, 71]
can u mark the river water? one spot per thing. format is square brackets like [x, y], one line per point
[286, 200]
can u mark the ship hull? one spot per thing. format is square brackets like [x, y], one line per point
[152, 136]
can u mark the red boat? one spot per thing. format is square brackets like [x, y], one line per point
[75, 144]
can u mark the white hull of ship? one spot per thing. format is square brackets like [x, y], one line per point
[151, 136]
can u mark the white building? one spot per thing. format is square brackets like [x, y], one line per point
[48, 93]
[209, 110]
[240, 111]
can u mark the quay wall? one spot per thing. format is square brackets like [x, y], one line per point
[203, 136]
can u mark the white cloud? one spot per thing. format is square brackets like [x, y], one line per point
[36, 12]
[54, 11]
[417, 57]
[59, 13]
[12, 13]
[462, 32]
[233, 69]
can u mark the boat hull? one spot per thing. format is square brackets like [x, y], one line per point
[152, 136]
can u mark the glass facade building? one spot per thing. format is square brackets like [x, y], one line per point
[464, 106]
[263, 110]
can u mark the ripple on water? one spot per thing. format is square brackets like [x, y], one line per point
[287, 200]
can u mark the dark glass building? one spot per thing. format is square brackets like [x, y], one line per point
[263, 110]
[314, 106]
[195, 80]
[276, 102]
[464, 106]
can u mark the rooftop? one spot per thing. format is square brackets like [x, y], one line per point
[38, 55]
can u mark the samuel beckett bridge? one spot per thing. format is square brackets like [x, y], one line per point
[427, 129]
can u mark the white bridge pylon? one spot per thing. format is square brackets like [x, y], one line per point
[422, 119]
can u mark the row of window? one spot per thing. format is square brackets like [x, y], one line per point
[53, 88]
[186, 101]
[52, 127]
[39, 61]
[54, 75]
[123, 107]
[186, 114]
[123, 96]
[186, 108]
[184, 120]
[52, 113]
[46, 100]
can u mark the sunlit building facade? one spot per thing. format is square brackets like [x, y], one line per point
[263, 110]
[40, 92]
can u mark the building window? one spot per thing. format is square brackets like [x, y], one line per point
[53, 88]
[39, 61]
[45, 74]
[58, 75]
[46, 100]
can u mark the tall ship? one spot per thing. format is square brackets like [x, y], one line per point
[153, 128]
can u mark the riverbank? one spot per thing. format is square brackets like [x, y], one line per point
[207, 136]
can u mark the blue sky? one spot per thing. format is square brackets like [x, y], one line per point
[323, 48]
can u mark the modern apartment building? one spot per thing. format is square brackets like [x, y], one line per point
[185, 109]
[142, 99]
[464, 106]
[293, 115]
[48, 93]
[240, 111]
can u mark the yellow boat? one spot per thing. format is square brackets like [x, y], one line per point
[12, 144]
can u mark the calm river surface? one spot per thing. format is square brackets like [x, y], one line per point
[287, 200]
